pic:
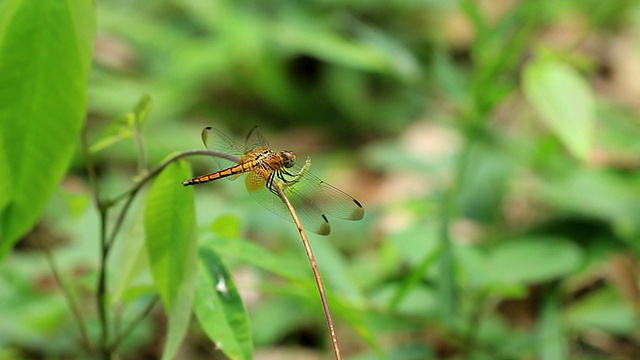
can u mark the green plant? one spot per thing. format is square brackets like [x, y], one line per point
[494, 145]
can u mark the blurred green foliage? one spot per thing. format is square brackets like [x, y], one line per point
[493, 144]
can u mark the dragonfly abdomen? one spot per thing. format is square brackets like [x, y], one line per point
[234, 170]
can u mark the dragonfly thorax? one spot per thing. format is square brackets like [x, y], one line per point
[288, 158]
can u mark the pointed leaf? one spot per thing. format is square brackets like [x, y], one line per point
[172, 247]
[180, 313]
[219, 308]
[134, 260]
[141, 110]
[117, 131]
[564, 102]
[45, 60]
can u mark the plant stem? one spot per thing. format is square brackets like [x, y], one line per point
[102, 276]
[107, 240]
[102, 286]
[75, 310]
[114, 345]
[314, 267]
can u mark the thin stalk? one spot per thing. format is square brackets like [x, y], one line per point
[316, 271]
[142, 162]
[107, 240]
[102, 286]
[114, 345]
[75, 310]
[102, 276]
[155, 171]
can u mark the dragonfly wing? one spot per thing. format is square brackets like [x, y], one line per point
[255, 140]
[216, 140]
[328, 199]
[311, 216]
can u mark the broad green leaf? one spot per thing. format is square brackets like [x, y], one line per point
[45, 60]
[172, 247]
[219, 308]
[564, 102]
[533, 259]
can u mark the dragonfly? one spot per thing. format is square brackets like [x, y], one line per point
[312, 198]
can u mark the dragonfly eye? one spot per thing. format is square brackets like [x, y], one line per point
[289, 158]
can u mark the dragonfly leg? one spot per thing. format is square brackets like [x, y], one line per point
[277, 178]
[296, 177]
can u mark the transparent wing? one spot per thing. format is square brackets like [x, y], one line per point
[311, 216]
[216, 140]
[255, 140]
[328, 199]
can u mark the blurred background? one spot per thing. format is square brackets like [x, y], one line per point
[493, 144]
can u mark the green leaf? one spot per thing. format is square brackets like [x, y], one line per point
[5, 193]
[227, 226]
[125, 126]
[564, 101]
[45, 61]
[335, 272]
[552, 343]
[133, 261]
[118, 130]
[180, 314]
[141, 110]
[254, 254]
[219, 308]
[533, 259]
[605, 310]
[172, 247]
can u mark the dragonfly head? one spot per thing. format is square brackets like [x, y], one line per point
[288, 158]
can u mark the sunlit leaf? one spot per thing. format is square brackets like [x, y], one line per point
[45, 60]
[219, 308]
[564, 101]
[172, 247]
